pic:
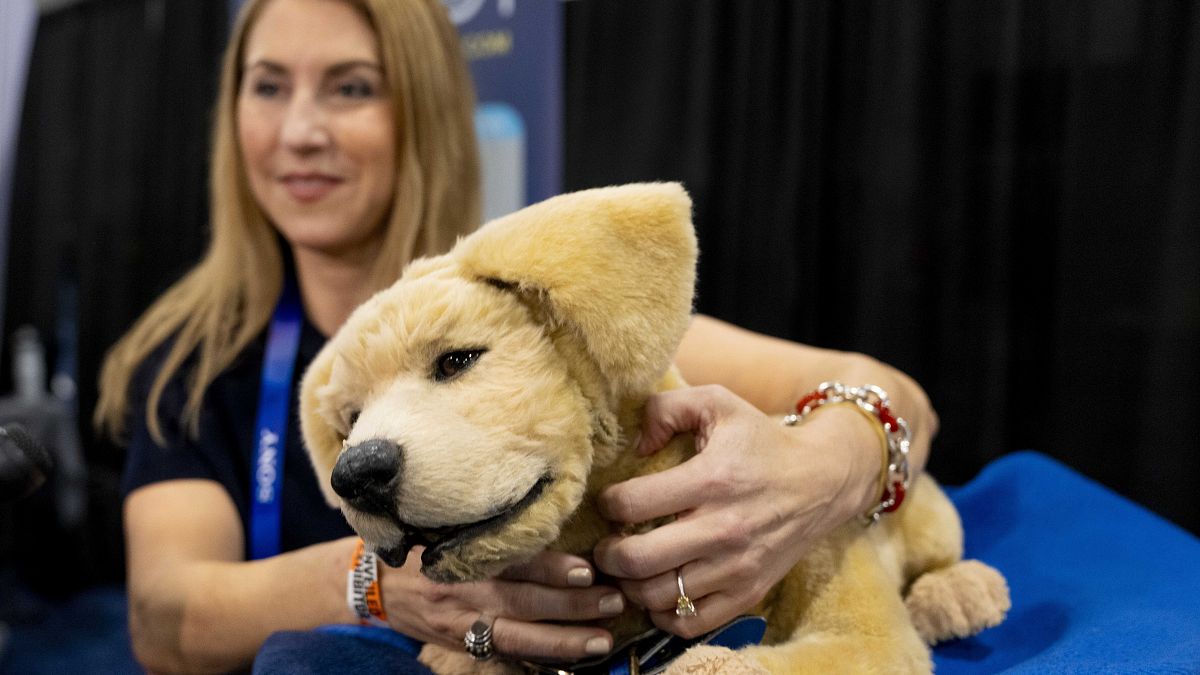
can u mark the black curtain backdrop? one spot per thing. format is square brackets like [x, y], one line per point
[110, 198]
[1002, 200]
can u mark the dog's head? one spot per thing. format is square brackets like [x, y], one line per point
[463, 408]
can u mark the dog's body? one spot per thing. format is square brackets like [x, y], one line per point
[486, 398]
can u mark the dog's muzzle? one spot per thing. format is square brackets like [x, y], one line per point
[366, 475]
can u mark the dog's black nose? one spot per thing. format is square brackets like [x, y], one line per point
[366, 474]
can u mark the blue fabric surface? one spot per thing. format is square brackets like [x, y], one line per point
[87, 633]
[339, 649]
[1099, 584]
[385, 635]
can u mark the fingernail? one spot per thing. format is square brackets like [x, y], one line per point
[637, 443]
[579, 577]
[612, 604]
[598, 646]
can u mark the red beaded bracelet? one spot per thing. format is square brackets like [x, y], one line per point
[873, 402]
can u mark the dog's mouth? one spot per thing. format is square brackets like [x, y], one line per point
[438, 540]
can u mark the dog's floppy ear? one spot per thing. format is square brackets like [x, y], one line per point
[324, 443]
[616, 264]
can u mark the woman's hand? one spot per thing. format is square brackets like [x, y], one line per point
[552, 587]
[749, 504]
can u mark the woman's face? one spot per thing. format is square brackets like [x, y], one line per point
[315, 124]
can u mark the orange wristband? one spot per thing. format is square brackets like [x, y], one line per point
[363, 593]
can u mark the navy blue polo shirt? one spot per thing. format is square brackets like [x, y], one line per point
[223, 451]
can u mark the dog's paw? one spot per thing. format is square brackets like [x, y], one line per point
[706, 659]
[957, 601]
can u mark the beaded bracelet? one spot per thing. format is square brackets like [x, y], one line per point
[872, 401]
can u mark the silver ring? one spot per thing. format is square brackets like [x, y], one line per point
[683, 604]
[478, 639]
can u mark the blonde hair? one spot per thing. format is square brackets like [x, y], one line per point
[218, 307]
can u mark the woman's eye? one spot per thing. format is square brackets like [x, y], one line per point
[266, 89]
[452, 364]
[356, 89]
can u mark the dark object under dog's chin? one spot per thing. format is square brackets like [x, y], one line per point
[431, 560]
[395, 556]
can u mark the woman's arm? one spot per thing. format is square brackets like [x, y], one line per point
[750, 504]
[196, 606]
[772, 374]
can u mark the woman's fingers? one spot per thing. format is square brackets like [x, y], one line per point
[677, 411]
[740, 520]
[701, 578]
[533, 602]
[442, 613]
[704, 411]
[645, 498]
[546, 641]
[642, 556]
[669, 413]
[553, 568]
[712, 611]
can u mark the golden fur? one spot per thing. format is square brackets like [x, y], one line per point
[580, 302]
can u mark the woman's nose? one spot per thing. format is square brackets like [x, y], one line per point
[305, 125]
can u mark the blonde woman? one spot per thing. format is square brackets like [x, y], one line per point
[343, 148]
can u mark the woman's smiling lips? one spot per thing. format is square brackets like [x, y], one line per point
[309, 187]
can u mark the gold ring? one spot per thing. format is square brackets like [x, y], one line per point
[683, 605]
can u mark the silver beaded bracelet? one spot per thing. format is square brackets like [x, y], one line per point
[873, 402]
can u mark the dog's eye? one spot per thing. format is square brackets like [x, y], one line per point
[348, 419]
[451, 364]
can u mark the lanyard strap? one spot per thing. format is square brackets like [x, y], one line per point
[274, 395]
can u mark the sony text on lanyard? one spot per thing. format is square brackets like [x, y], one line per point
[270, 428]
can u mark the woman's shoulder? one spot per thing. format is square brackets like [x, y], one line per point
[246, 365]
[147, 371]
[175, 390]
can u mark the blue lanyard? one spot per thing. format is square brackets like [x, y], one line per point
[274, 395]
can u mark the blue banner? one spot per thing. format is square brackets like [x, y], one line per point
[515, 52]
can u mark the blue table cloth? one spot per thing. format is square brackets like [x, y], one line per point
[1099, 584]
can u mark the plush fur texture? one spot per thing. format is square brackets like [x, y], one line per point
[572, 310]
